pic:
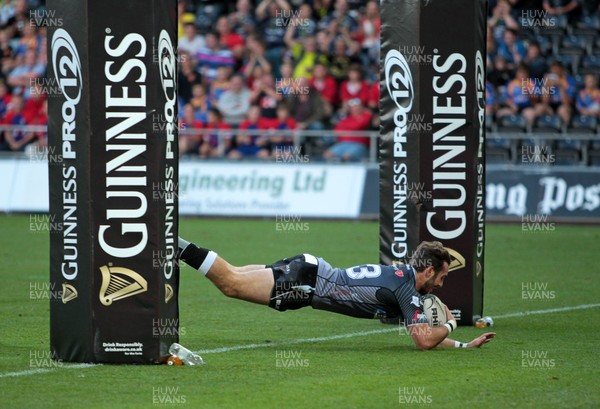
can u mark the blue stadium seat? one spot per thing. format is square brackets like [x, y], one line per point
[590, 64]
[574, 43]
[497, 156]
[545, 44]
[512, 124]
[594, 158]
[569, 144]
[589, 35]
[489, 123]
[570, 59]
[548, 124]
[566, 157]
[592, 22]
[583, 124]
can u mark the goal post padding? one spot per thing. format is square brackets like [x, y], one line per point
[113, 183]
[432, 144]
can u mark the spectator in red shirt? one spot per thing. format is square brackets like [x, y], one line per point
[369, 29]
[251, 144]
[264, 94]
[351, 148]
[33, 105]
[189, 140]
[374, 97]
[231, 40]
[325, 85]
[209, 147]
[16, 140]
[5, 98]
[40, 138]
[280, 145]
[354, 87]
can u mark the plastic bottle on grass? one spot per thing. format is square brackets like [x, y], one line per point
[185, 355]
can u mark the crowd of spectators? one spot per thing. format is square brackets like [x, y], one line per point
[275, 66]
[543, 59]
[260, 70]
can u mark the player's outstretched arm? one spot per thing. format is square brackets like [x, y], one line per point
[426, 337]
[476, 343]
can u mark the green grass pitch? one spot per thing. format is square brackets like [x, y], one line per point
[547, 360]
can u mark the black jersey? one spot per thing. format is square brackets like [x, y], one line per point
[369, 291]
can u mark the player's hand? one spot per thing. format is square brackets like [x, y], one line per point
[482, 339]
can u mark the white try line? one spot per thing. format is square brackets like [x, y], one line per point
[380, 331]
[36, 371]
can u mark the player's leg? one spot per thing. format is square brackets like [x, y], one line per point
[250, 284]
[249, 268]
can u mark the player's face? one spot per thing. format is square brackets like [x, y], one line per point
[435, 281]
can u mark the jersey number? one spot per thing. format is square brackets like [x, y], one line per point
[366, 271]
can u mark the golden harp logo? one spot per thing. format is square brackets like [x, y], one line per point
[68, 293]
[457, 260]
[119, 283]
[168, 293]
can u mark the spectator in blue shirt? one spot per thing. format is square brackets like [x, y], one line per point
[511, 48]
[213, 56]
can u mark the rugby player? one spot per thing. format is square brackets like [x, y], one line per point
[365, 291]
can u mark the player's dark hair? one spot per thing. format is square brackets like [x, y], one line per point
[430, 253]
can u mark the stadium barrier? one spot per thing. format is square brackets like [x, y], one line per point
[432, 160]
[569, 194]
[305, 138]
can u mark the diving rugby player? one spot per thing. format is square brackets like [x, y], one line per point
[366, 291]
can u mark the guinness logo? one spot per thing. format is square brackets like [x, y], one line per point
[457, 260]
[68, 293]
[119, 283]
[168, 293]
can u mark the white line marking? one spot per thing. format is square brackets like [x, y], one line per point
[297, 341]
[381, 331]
[548, 311]
[46, 370]
[300, 341]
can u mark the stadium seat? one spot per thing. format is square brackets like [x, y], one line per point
[569, 144]
[570, 59]
[594, 158]
[497, 156]
[548, 124]
[498, 143]
[574, 43]
[566, 157]
[583, 124]
[545, 43]
[579, 83]
[589, 35]
[512, 124]
[489, 123]
[590, 64]
[589, 22]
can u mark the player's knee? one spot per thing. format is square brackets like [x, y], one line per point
[229, 287]
[229, 291]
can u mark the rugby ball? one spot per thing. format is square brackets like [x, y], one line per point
[434, 309]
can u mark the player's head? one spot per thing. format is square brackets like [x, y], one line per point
[431, 261]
